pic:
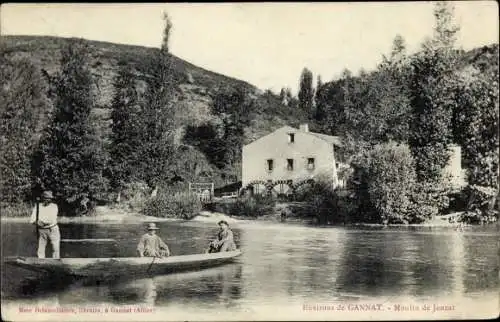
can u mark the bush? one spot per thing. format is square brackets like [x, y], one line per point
[482, 204]
[322, 201]
[15, 210]
[254, 206]
[385, 176]
[183, 205]
[134, 195]
[428, 200]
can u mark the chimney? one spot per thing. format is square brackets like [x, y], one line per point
[304, 127]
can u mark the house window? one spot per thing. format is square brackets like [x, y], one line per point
[291, 137]
[270, 165]
[310, 163]
[289, 164]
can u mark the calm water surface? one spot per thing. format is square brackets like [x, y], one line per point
[279, 263]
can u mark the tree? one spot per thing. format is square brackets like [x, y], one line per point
[432, 98]
[71, 160]
[126, 130]
[398, 51]
[319, 113]
[476, 124]
[235, 110]
[372, 107]
[283, 96]
[390, 177]
[445, 30]
[23, 109]
[331, 98]
[157, 148]
[208, 140]
[290, 99]
[476, 130]
[306, 92]
[319, 82]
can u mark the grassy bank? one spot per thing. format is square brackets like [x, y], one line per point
[227, 210]
[101, 214]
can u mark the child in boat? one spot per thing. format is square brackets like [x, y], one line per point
[151, 244]
[224, 241]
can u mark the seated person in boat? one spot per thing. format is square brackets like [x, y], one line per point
[151, 244]
[224, 241]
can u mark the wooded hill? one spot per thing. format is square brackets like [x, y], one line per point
[195, 90]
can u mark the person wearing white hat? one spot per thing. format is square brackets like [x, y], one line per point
[151, 245]
[44, 216]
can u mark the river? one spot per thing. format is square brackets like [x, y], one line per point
[282, 266]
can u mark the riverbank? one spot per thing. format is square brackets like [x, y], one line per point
[102, 214]
[105, 214]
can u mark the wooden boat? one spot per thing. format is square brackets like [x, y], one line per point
[105, 268]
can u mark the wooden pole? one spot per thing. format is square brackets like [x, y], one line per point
[89, 240]
[36, 220]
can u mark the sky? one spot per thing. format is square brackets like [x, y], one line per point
[266, 44]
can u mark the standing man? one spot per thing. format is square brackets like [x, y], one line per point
[44, 216]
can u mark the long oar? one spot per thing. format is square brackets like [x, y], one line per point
[89, 240]
[150, 265]
[37, 216]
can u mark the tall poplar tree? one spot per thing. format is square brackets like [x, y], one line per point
[71, 160]
[126, 131]
[431, 97]
[306, 91]
[158, 115]
[23, 107]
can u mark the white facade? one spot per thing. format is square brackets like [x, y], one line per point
[290, 154]
[454, 167]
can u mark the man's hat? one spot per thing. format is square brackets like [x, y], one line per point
[47, 195]
[223, 222]
[152, 226]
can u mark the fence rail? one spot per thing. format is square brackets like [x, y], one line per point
[233, 194]
[205, 191]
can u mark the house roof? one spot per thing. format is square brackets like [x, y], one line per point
[335, 140]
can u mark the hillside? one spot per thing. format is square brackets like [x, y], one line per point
[196, 86]
[194, 83]
[45, 51]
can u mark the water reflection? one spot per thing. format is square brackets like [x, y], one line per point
[222, 284]
[279, 263]
[367, 266]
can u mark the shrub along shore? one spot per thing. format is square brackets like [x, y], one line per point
[184, 207]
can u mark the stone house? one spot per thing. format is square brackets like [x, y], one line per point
[289, 156]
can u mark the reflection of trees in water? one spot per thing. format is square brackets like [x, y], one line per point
[313, 273]
[436, 268]
[18, 239]
[291, 263]
[481, 262]
[267, 254]
[397, 263]
[37, 286]
[85, 249]
[366, 267]
[222, 283]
